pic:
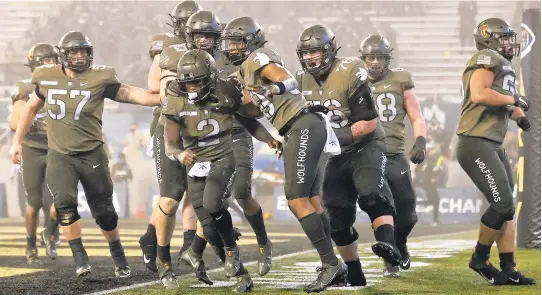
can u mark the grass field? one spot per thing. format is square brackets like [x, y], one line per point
[439, 267]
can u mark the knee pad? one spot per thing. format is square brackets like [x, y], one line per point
[67, 216]
[345, 236]
[168, 206]
[106, 217]
[376, 205]
[494, 219]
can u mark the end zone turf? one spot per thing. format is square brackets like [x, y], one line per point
[439, 266]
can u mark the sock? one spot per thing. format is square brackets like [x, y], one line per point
[256, 222]
[224, 226]
[327, 225]
[314, 229]
[198, 245]
[151, 232]
[385, 233]
[31, 242]
[507, 261]
[401, 234]
[79, 254]
[188, 237]
[164, 253]
[117, 253]
[355, 274]
[51, 226]
[482, 250]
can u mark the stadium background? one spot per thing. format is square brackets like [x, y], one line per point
[432, 39]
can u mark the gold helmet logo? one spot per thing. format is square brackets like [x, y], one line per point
[483, 31]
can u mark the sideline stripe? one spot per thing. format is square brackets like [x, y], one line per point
[141, 285]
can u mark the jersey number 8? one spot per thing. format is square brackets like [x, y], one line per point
[386, 111]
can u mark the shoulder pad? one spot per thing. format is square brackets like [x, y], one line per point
[101, 67]
[106, 74]
[263, 56]
[397, 70]
[487, 58]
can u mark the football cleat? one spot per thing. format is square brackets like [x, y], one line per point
[389, 252]
[191, 259]
[124, 272]
[265, 260]
[328, 274]
[32, 256]
[149, 253]
[50, 245]
[166, 275]
[390, 271]
[83, 270]
[244, 283]
[514, 277]
[233, 262]
[405, 257]
[484, 268]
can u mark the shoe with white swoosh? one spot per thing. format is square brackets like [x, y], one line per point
[149, 253]
[484, 268]
[515, 277]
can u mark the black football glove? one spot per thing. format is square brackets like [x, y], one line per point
[524, 123]
[417, 153]
[235, 82]
[268, 91]
[318, 109]
[522, 102]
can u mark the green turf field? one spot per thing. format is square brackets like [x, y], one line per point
[439, 267]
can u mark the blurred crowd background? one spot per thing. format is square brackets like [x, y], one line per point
[431, 39]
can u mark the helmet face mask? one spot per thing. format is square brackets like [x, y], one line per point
[196, 76]
[235, 49]
[496, 34]
[203, 31]
[76, 51]
[180, 15]
[376, 52]
[42, 54]
[316, 50]
[241, 37]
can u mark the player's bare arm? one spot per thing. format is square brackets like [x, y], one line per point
[28, 112]
[153, 78]
[136, 95]
[257, 130]
[16, 113]
[172, 134]
[481, 92]
[414, 112]
[363, 127]
[165, 77]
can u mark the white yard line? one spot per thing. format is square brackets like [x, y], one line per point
[141, 285]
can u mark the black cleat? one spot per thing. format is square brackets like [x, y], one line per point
[328, 273]
[483, 267]
[166, 275]
[149, 253]
[191, 259]
[405, 257]
[389, 252]
[265, 261]
[50, 245]
[515, 277]
[232, 267]
[83, 270]
[244, 283]
[32, 257]
[390, 271]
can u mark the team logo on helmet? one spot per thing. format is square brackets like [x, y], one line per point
[483, 31]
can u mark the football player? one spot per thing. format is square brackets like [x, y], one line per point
[34, 152]
[203, 30]
[357, 174]
[394, 97]
[73, 93]
[179, 15]
[274, 89]
[199, 110]
[490, 98]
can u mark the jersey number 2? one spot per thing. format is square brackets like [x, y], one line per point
[62, 106]
[202, 142]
